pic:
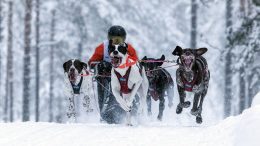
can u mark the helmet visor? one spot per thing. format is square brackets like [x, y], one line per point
[116, 40]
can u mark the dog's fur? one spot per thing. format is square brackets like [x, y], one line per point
[193, 76]
[76, 84]
[160, 83]
[137, 81]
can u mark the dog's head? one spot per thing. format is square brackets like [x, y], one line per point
[118, 53]
[188, 56]
[74, 67]
[151, 64]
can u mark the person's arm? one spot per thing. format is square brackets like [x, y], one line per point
[132, 51]
[98, 55]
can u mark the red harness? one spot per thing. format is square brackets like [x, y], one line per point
[123, 80]
[189, 85]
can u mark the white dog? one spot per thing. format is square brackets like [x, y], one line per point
[127, 81]
[76, 84]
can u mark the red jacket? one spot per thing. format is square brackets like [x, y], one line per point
[99, 53]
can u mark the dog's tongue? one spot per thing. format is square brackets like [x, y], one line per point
[72, 77]
[187, 61]
[115, 61]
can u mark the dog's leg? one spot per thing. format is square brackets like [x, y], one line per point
[71, 113]
[149, 105]
[133, 93]
[199, 117]
[115, 85]
[100, 94]
[161, 105]
[128, 119]
[183, 103]
[86, 103]
[170, 95]
[194, 111]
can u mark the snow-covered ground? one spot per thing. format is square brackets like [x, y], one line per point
[242, 130]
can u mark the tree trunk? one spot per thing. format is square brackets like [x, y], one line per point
[10, 57]
[9, 68]
[1, 37]
[193, 40]
[51, 67]
[228, 61]
[27, 58]
[37, 57]
[242, 89]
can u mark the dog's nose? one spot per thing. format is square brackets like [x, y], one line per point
[72, 69]
[115, 52]
[188, 53]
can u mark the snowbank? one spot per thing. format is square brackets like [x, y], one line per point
[241, 130]
[247, 129]
[256, 100]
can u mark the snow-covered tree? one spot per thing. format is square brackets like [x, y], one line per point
[27, 60]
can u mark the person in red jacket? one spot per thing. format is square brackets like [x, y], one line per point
[117, 34]
[110, 111]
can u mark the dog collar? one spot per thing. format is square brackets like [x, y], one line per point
[129, 62]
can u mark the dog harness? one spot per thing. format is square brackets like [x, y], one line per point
[201, 61]
[123, 80]
[76, 88]
[188, 86]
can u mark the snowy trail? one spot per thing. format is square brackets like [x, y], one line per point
[240, 130]
[45, 134]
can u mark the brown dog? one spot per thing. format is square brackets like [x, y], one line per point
[192, 76]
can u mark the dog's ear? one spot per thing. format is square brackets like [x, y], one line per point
[142, 62]
[162, 58]
[201, 51]
[64, 66]
[177, 51]
[84, 65]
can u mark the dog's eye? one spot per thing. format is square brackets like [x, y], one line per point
[122, 49]
[111, 48]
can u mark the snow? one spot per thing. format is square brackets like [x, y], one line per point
[239, 131]
[256, 100]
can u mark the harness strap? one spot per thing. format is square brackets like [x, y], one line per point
[76, 88]
[189, 85]
[123, 80]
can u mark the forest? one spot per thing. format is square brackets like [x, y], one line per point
[38, 36]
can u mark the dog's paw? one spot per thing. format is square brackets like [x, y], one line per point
[149, 113]
[178, 109]
[71, 115]
[186, 104]
[199, 119]
[195, 112]
[89, 110]
[129, 124]
[159, 117]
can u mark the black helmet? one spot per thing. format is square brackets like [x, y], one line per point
[116, 30]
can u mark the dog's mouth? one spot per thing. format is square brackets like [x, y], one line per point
[116, 61]
[188, 61]
[72, 77]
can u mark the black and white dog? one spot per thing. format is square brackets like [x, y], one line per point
[160, 83]
[127, 81]
[192, 76]
[76, 83]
